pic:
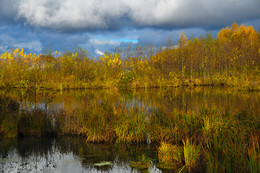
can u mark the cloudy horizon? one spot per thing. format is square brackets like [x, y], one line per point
[100, 25]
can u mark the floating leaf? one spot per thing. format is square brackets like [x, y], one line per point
[104, 163]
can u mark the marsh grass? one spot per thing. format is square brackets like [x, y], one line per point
[175, 126]
[96, 123]
[213, 139]
[225, 154]
[170, 155]
[253, 151]
[179, 157]
[102, 122]
[132, 126]
[221, 139]
[191, 153]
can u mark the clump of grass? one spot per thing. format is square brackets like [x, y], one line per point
[253, 152]
[170, 156]
[161, 127]
[170, 127]
[225, 146]
[96, 123]
[131, 126]
[191, 153]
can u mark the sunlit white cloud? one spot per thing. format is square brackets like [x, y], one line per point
[104, 42]
[99, 52]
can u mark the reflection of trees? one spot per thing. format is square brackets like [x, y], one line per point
[35, 146]
[120, 153]
[5, 146]
[166, 99]
[9, 110]
[43, 109]
[50, 150]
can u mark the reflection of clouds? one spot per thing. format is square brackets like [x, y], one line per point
[71, 155]
[52, 161]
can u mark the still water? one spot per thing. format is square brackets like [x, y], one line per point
[73, 154]
[68, 154]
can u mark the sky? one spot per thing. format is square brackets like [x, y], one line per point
[103, 25]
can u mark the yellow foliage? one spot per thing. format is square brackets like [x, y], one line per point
[16, 52]
[111, 60]
[183, 40]
[237, 32]
[223, 34]
[169, 154]
[9, 56]
[202, 61]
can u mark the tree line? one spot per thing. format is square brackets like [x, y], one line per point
[232, 59]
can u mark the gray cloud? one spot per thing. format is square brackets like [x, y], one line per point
[67, 15]
[66, 24]
[34, 46]
[36, 41]
[79, 15]
[8, 10]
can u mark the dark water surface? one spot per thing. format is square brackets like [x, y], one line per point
[73, 154]
[166, 99]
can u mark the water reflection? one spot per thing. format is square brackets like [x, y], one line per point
[50, 113]
[95, 112]
[69, 154]
[167, 99]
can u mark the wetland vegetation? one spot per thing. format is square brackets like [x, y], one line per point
[149, 101]
[214, 129]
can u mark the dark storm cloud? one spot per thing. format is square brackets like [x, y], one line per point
[65, 24]
[254, 23]
[159, 36]
[91, 15]
[8, 11]
[38, 40]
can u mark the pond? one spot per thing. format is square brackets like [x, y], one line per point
[105, 130]
[69, 154]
